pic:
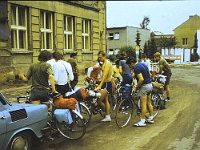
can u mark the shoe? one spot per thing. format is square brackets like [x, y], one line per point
[150, 121]
[107, 119]
[167, 100]
[139, 124]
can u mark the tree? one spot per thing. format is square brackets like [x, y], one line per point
[146, 49]
[129, 50]
[167, 42]
[138, 38]
[145, 22]
[152, 48]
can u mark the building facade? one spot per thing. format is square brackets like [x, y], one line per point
[28, 27]
[186, 32]
[118, 37]
[187, 36]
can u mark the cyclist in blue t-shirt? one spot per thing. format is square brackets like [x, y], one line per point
[144, 87]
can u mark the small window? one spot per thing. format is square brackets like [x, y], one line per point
[110, 52]
[184, 41]
[116, 36]
[116, 51]
[110, 36]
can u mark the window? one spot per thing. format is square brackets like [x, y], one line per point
[116, 36]
[184, 41]
[110, 36]
[85, 34]
[110, 52]
[19, 27]
[69, 32]
[46, 22]
[116, 51]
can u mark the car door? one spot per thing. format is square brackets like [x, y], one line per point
[2, 127]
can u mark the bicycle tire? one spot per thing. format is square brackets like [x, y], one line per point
[94, 109]
[124, 113]
[155, 99]
[85, 112]
[75, 130]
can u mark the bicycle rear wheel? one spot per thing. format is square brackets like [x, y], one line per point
[155, 99]
[124, 113]
[73, 131]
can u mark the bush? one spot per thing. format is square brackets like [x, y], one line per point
[129, 50]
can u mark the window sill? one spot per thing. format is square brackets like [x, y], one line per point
[87, 52]
[17, 51]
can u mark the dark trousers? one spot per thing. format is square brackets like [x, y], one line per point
[63, 89]
[39, 94]
[75, 81]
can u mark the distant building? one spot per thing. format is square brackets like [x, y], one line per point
[118, 37]
[187, 35]
[186, 32]
[28, 27]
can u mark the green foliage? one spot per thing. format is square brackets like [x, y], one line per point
[137, 40]
[150, 48]
[194, 56]
[112, 58]
[128, 50]
[153, 48]
[145, 22]
[169, 43]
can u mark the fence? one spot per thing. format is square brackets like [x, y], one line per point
[154, 67]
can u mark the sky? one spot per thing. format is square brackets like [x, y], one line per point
[164, 16]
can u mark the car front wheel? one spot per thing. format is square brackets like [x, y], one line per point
[21, 141]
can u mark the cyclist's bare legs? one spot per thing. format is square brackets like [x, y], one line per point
[167, 90]
[149, 105]
[103, 101]
[143, 106]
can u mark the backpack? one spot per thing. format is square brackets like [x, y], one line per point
[69, 103]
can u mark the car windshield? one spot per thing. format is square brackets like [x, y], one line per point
[3, 100]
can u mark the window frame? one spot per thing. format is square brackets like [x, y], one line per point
[15, 39]
[110, 36]
[116, 36]
[68, 33]
[184, 41]
[44, 31]
[85, 35]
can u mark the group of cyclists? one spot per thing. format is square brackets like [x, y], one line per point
[52, 73]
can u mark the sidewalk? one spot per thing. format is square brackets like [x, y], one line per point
[17, 88]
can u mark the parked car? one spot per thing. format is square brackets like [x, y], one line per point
[21, 124]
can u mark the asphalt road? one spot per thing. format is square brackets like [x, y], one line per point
[175, 128]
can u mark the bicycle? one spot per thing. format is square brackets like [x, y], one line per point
[158, 92]
[82, 108]
[128, 102]
[91, 100]
[67, 122]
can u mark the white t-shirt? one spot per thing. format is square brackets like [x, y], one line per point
[147, 62]
[63, 71]
[52, 62]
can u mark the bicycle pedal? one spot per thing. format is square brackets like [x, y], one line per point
[49, 138]
[94, 112]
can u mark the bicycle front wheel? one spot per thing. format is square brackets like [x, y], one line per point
[85, 112]
[75, 130]
[124, 113]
